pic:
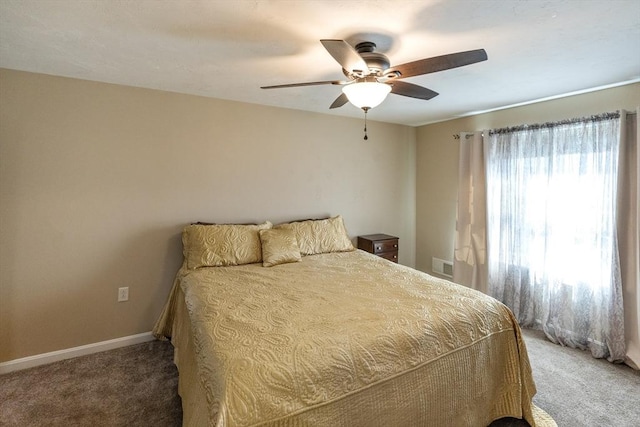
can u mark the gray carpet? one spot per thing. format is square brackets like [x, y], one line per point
[129, 386]
[580, 391]
[137, 386]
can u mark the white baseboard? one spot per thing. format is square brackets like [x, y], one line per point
[55, 356]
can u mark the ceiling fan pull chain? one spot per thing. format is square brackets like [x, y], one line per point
[365, 122]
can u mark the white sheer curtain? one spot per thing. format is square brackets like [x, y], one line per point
[552, 235]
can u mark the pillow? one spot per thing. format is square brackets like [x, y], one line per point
[279, 246]
[320, 236]
[221, 245]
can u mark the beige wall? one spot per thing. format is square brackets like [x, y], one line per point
[97, 181]
[437, 159]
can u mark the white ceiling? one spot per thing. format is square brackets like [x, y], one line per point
[228, 49]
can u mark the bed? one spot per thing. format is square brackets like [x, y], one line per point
[292, 326]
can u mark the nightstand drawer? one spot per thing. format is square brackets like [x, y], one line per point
[383, 245]
[391, 256]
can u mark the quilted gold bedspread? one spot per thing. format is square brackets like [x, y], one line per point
[350, 339]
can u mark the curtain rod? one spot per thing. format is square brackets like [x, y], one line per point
[467, 136]
[593, 118]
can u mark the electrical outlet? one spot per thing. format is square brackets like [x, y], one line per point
[123, 294]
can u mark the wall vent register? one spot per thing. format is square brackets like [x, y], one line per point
[442, 267]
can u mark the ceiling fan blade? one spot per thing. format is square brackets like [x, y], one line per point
[346, 55]
[439, 63]
[340, 101]
[411, 90]
[326, 82]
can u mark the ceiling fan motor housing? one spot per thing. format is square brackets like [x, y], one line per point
[377, 62]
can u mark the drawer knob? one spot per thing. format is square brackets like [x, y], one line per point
[395, 246]
[395, 256]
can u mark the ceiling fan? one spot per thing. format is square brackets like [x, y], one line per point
[370, 78]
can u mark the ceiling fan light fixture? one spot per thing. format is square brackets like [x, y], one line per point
[366, 94]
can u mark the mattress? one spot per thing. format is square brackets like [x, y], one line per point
[342, 339]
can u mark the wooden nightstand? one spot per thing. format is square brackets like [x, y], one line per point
[383, 245]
